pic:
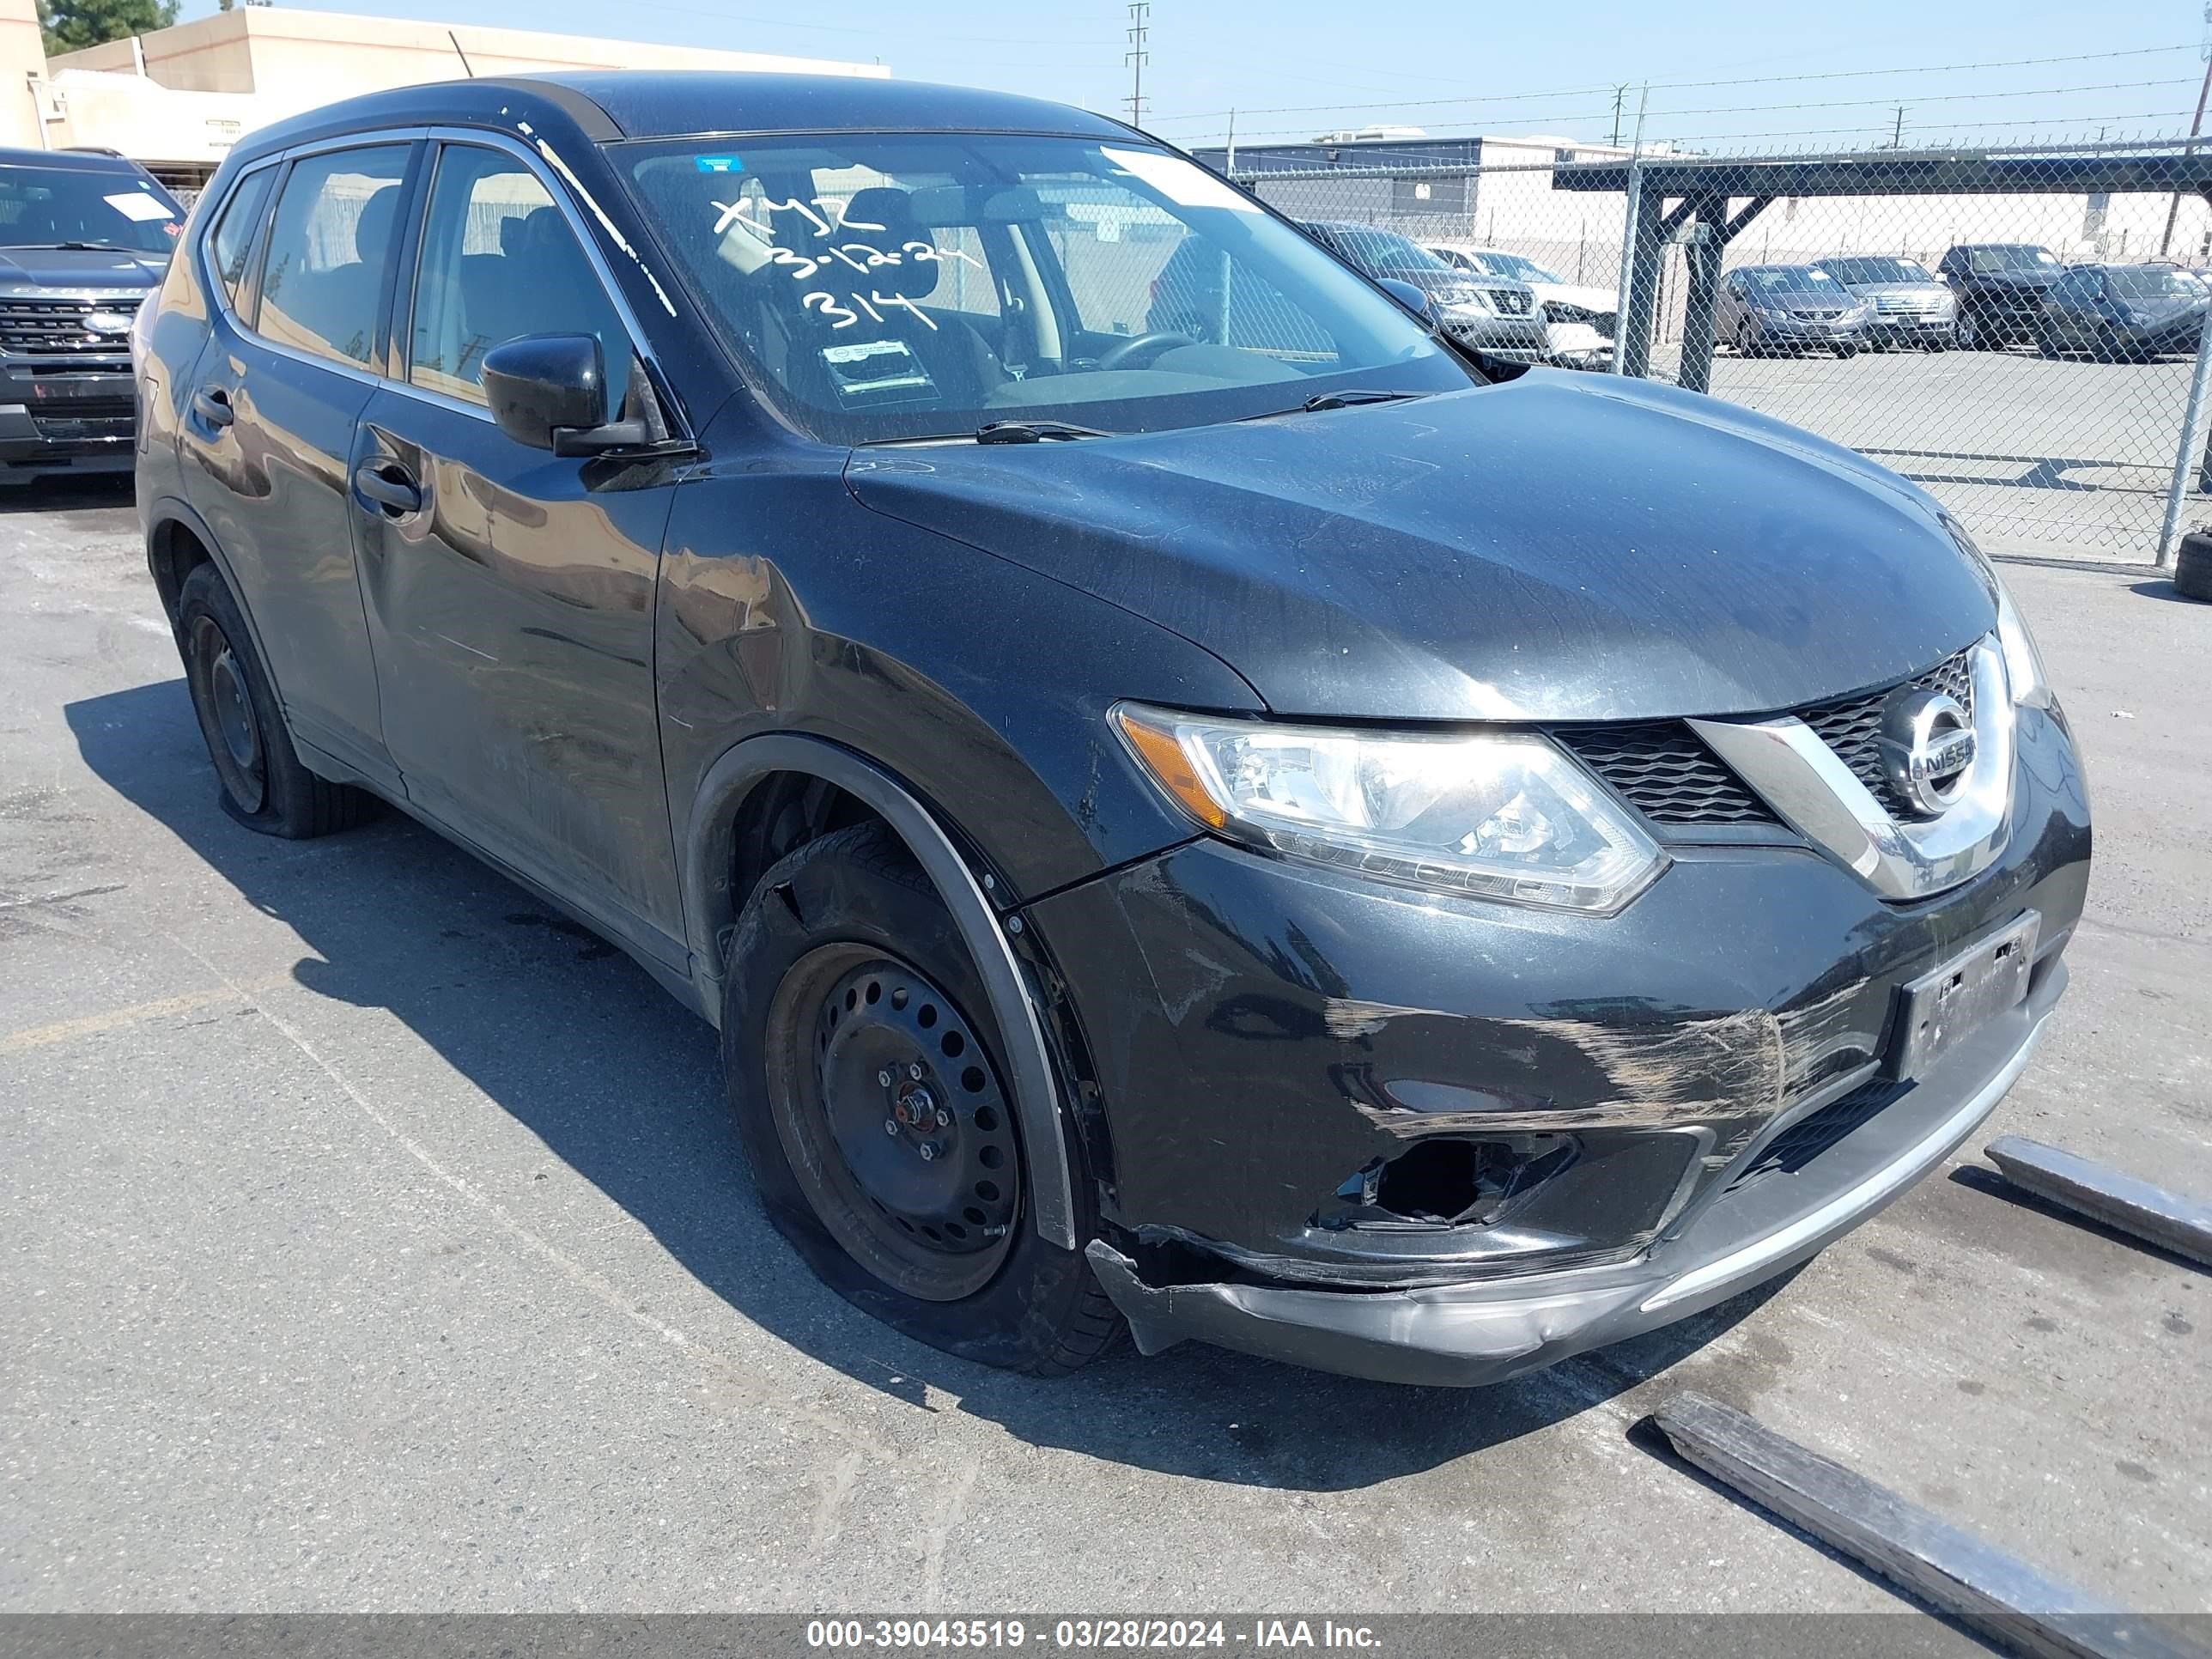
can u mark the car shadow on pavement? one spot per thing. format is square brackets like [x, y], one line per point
[564, 1032]
[65, 494]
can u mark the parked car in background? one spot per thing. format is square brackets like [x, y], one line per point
[84, 235]
[2119, 313]
[1580, 320]
[1911, 307]
[1387, 864]
[1488, 314]
[1999, 287]
[1765, 309]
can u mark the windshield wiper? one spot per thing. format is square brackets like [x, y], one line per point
[1358, 394]
[1344, 399]
[83, 247]
[1033, 432]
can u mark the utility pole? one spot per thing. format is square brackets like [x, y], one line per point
[1229, 165]
[1619, 97]
[1897, 134]
[1136, 58]
[2173, 204]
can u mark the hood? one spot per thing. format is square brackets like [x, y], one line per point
[73, 267]
[2164, 307]
[2021, 278]
[1603, 300]
[1910, 290]
[1430, 281]
[1556, 547]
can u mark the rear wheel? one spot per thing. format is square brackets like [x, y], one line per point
[264, 787]
[866, 1074]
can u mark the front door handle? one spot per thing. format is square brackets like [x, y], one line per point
[213, 407]
[383, 483]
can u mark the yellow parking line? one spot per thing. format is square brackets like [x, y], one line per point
[65, 1031]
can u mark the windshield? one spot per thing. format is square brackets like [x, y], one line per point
[40, 207]
[2149, 282]
[1875, 269]
[1514, 267]
[1793, 279]
[884, 286]
[2012, 259]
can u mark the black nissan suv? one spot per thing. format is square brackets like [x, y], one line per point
[1275, 836]
[84, 235]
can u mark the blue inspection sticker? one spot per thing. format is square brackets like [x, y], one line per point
[719, 163]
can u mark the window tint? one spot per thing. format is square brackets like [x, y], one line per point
[500, 262]
[328, 247]
[234, 236]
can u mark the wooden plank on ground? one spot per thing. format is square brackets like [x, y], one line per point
[2167, 1220]
[1952, 1570]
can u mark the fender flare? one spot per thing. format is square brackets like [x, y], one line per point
[707, 853]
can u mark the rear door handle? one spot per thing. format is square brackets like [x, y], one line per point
[213, 407]
[395, 494]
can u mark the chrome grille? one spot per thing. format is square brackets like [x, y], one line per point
[50, 328]
[1659, 768]
[1851, 726]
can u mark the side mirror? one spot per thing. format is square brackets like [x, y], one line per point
[1410, 297]
[549, 391]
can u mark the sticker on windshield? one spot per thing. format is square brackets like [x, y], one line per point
[719, 163]
[873, 372]
[137, 204]
[1184, 183]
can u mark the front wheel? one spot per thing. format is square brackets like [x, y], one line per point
[1847, 351]
[867, 1077]
[1969, 331]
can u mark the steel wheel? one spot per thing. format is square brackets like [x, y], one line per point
[895, 1120]
[225, 707]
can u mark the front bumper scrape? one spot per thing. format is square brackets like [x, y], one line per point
[1480, 1332]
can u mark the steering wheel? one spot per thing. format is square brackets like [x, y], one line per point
[1151, 344]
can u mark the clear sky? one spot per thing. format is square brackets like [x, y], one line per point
[1295, 68]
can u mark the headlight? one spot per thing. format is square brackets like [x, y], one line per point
[2023, 662]
[2024, 674]
[1470, 299]
[1498, 815]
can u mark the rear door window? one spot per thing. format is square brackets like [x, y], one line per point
[330, 245]
[233, 241]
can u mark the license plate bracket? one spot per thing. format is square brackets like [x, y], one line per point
[1955, 998]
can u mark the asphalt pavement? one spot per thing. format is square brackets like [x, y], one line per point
[372, 1239]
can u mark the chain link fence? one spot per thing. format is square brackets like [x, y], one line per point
[2017, 331]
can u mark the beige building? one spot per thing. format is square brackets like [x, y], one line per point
[177, 98]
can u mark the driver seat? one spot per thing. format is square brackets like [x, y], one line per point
[957, 357]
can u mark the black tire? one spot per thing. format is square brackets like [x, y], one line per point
[2047, 343]
[2193, 566]
[822, 949]
[1970, 334]
[1847, 351]
[263, 784]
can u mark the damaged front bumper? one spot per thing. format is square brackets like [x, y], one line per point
[1425, 1138]
[1467, 1334]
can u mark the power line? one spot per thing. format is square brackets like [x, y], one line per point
[1685, 86]
[1835, 103]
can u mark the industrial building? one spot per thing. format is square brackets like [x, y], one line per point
[177, 98]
